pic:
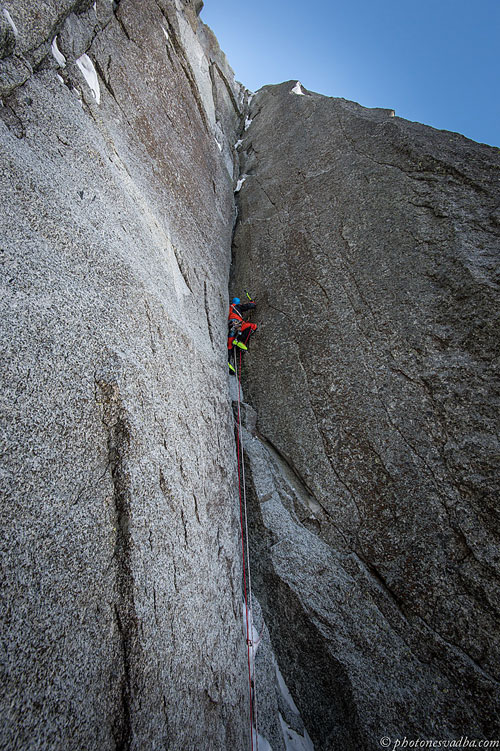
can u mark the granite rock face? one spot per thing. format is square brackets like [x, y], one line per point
[121, 608]
[371, 245]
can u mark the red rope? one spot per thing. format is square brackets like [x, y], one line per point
[243, 555]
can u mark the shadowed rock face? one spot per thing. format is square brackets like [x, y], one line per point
[371, 245]
[121, 608]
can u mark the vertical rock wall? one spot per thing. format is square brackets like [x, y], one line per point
[371, 245]
[121, 609]
[372, 248]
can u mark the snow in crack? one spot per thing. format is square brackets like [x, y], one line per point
[239, 184]
[86, 66]
[58, 55]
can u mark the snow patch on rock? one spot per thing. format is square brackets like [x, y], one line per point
[294, 741]
[86, 66]
[239, 184]
[57, 54]
[285, 692]
[76, 92]
[297, 89]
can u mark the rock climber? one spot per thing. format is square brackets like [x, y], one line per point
[239, 330]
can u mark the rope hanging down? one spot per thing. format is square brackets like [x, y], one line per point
[246, 564]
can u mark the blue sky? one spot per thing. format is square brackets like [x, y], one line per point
[434, 61]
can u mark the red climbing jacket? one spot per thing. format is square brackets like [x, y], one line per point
[238, 327]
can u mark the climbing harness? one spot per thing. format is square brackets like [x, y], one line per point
[246, 565]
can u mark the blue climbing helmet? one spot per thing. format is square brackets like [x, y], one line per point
[236, 301]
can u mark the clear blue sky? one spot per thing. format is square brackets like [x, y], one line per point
[434, 61]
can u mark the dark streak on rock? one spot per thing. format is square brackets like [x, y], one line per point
[215, 67]
[182, 267]
[115, 420]
[207, 312]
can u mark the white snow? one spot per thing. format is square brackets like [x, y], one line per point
[78, 95]
[297, 89]
[61, 79]
[59, 57]
[294, 741]
[165, 32]
[239, 184]
[95, 8]
[89, 73]
[263, 743]
[238, 144]
[248, 122]
[9, 19]
[285, 692]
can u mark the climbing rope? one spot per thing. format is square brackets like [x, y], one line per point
[246, 562]
[254, 644]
